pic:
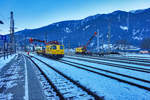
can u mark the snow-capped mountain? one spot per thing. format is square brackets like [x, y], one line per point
[131, 26]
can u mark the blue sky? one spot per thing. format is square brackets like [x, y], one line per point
[37, 13]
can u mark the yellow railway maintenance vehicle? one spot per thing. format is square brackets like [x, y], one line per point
[80, 50]
[52, 49]
[83, 49]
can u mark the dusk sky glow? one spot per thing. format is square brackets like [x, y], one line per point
[32, 14]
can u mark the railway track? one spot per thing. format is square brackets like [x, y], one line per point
[114, 65]
[97, 71]
[137, 59]
[65, 87]
[128, 58]
[140, 57]
[53, 90]
[116, 73]
[117, 60]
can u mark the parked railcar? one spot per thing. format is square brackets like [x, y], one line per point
[51, 49]
[54, 51]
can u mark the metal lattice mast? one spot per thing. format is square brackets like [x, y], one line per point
[98, 40]
[12, 38]
[108, 36]
[128, 22]
[102, 44]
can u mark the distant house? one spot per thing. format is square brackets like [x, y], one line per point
[144, 51]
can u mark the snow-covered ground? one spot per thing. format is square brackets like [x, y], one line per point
[120, 63]
[47, 89]
[137, 55]
[9, 78]
[4, 62]
[131, 60]
[118, 70]
[103, 86]
[61, 82]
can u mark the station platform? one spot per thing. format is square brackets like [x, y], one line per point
[18, 81]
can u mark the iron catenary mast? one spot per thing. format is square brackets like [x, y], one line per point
[12, 38]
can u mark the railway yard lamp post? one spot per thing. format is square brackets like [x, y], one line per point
[1, 22]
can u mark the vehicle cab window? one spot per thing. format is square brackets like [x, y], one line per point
[54, 47]
[61, 47]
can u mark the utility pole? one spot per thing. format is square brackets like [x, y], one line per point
[12, 38]
[128, 22]
[24, 45]
[69, 47]
[109, 35]
[98, 40]
[102, 44]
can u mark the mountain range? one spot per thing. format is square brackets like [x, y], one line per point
[132, 26]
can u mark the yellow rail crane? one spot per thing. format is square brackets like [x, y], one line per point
[52, 49]
[83, 49]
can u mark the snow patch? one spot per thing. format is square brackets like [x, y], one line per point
[11, 84]
[57, 25]
[4, 62]
[137, 38]
[8, 96]
[86, 27]
[91, 44]
[106, 46]
[9, 80]
[118, 18]
[67, 30]
[140, 34]
[135, 31]
[124, 28]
